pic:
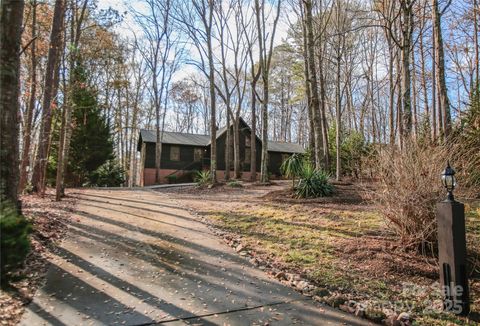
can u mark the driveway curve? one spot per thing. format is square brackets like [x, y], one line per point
[134, 257]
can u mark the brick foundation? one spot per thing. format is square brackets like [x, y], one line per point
[148, 176]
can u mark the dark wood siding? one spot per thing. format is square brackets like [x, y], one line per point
[275, 160]
[244, 133]
[186, 161]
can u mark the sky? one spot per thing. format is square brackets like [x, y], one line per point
[127, 27]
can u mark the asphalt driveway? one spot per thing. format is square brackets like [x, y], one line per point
[139, 258]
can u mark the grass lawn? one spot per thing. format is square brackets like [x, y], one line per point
[348, 252]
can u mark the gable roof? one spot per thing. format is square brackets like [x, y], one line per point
[223, 130]
[175, 138]
[180, 138]
[282, 147]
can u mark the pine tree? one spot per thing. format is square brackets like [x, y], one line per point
[91, 143]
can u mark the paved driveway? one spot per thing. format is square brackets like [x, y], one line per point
[138, 258]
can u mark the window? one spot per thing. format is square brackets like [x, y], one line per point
[197, 154]
[247, 140]
[247, 154]
[174, 153]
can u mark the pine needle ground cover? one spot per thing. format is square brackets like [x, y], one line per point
[345, 249]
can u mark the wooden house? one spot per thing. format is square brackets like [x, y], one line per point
[183, 154]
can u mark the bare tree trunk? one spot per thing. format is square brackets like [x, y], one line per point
[236, 148]
[253, 138]
[312, 84]
[264, 177]
[158, 132]
[444, 103]
[10, 40]
[407, 30]
[434, 94]
[338, 128]
[424, 87]
[391, 88]
[49, 93]
[66, 128]
[265, 57]
[27, 136]
[414, 102]
[228, 146]
[213, 111]
[475, 41]
[253, 135]
[399, 120]
[323, 119]
[61, 164]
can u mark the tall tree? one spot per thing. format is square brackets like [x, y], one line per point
[406, 44]
[444, 102]
[161, 51]
[49, 94]
[10, 39]
[27, 135]
[314, 102]
[265, 46]
[197, 21]
[77, 18]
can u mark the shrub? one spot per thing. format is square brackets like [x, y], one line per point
[234, 184]
[203, 178]
[313, 183]
[109, 174]
[407, 190]
[353, 148]
[172, 178]
[292, 167]
[15, 245]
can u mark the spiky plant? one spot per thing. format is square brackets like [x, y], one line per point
[313, 183]
[203, 178]
[292, 167]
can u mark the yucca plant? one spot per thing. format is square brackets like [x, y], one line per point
[313, 183]
[203, 178]
[292, 167]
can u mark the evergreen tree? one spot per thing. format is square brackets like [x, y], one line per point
[91, 143]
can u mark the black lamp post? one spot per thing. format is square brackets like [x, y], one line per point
[452, 249]
[449, 181]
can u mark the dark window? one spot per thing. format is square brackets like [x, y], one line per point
[174, 153]
[197, 154]
[247, 140]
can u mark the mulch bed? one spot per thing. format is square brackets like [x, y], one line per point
[345, 193]
[48, 219]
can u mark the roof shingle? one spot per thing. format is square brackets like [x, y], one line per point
[179, 138]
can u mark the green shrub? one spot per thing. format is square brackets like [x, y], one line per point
[203, 178]
[313, 183]
[109, 174]
[15, 244]
[353, 148]
[172, 178]
[234, 184]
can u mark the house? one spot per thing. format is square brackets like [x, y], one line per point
[183, 154]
